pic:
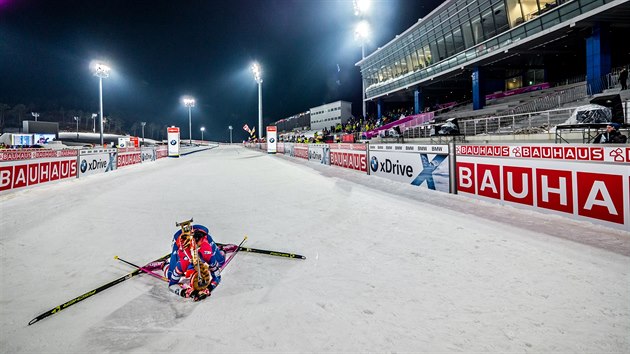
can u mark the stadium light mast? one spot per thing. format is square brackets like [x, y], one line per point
[143, 124]
[362, 33]
[230, 128]
[35, 114]
[101, 71]
[77, 120]
[203, 129]
[257, 71]
[94, 115]
[190, 103]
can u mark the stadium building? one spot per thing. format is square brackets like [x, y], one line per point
[471, 51]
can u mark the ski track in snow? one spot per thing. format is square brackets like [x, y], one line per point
[390, 267]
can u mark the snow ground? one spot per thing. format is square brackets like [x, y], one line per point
[390, 267]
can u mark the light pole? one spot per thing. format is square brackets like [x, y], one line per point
[203, 129]
[101, 71]
[94, 115]
[35, 114]
[362, 32]
[230, 127]
[77, 120]
[143, 124]
[190, 103]
[257, 71]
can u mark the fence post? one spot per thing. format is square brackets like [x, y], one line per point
[452, 164]
[513, 123]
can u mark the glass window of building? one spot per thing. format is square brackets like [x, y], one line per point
[427, 55]
[535, 76]
[513, 83]
[487, 21]
[530, 9]
[500, 17]
[458, 41]
[448, 42]
[435, 54]
[441, 49]
[514, 12]
[468, 36]
[477, 31]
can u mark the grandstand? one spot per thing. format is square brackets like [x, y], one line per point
[496, 68]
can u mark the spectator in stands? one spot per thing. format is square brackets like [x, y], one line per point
[611, 135]
[623, 79]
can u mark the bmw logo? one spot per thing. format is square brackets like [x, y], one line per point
[374, 163]
[173, 142]
[84, 166]
[272, 140]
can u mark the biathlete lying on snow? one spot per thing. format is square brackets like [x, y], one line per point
[193, 269]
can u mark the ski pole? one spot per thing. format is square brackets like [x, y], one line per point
[88, 294]
[268, 252]
[232, 255]
[151, 273]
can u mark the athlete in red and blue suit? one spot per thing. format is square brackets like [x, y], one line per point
[180, 268]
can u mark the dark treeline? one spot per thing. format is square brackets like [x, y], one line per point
[11, 118]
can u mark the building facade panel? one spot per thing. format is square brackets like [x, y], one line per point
[461, 31]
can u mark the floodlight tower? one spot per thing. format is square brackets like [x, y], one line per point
[143, 124]
[257, 71]
[362, 31]
[94, 115]
[35, 114]
[230, 128]
[190, 103]
[203, 129]
[101, 71]
[77, 119]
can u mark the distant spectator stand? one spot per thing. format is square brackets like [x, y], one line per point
[403, 123]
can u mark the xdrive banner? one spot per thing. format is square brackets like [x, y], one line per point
[420, 165]
[95, 161]
[319, 153]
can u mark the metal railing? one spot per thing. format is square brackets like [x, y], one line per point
[554, 100]
[523, 123]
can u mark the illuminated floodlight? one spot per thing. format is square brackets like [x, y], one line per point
[362, 30]
[361, 7]
[190, 103]
[257, 71]
[102, 71]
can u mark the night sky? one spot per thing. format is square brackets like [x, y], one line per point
[162, 50]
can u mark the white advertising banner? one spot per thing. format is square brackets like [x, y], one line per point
[319, 153]
[289, 149]
[586, 189]
[272, 138]
[148, 154]
[420, 165]
[173, 141]
[95, 161]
